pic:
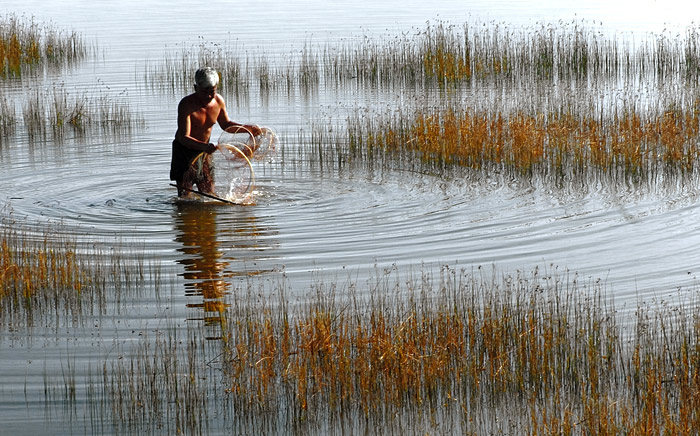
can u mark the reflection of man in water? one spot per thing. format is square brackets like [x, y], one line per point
[204, 263]
[196, 115]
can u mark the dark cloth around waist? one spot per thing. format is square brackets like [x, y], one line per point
[180, 160]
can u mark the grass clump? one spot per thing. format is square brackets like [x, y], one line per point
[540, 354]
[629, 143]
[8, 118]
[26, 44]
[458, 352]
[45, 273]
[60, 113]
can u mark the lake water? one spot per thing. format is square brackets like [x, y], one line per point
[309, 223]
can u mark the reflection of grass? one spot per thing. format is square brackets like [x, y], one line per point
[45, 273]
[8, 119]
[529, 354]
[25, 43]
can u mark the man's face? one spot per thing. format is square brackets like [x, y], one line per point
[205, 93]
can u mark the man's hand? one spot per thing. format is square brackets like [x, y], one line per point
[254, 130]
[211, 148]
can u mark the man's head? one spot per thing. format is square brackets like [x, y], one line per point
[206, 77]
[205, 83]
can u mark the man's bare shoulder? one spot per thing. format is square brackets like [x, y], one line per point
[187, 102]
[219, 100]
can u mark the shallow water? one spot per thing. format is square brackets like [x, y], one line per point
[309, 223]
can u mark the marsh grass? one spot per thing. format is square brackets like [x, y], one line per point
[550, 100]
[176, 71]
[59, 112]
[443, 54]
[543, 353]
[8, 117]
[26, 45]
[46, 274]
[33, 115]
[632, 144]
[449, 352]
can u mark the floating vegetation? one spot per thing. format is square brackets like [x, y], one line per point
[45, 273]
[26, 44]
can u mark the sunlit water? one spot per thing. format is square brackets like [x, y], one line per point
[309, 224]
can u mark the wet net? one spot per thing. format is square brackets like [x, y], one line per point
[256, 148]
[237, 151]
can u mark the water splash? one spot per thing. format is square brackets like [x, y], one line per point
[237, 153]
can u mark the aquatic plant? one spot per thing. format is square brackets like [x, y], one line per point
[45, 273]
[468, 348]
[448, 55]
[176, 71]
[8, 118]
[33, 115]
[59, 112]
[630, 143]
[455, 351]
[24, 43]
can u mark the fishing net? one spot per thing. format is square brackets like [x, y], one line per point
[234, 173]
[256, 148]
[237, 150]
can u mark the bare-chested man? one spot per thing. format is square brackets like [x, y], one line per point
[196, 115]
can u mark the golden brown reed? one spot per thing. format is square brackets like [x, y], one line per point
[26, 43]
[547, 354]
[45, 272]
[525, 143]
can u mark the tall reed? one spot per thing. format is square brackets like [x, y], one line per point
[46, 273]
[449, 55]
[8, 117]
[26, 44]
[631, 143]
[448, 352]
[536, 353]
[60, 113]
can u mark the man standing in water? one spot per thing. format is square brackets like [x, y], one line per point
[196, 115]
